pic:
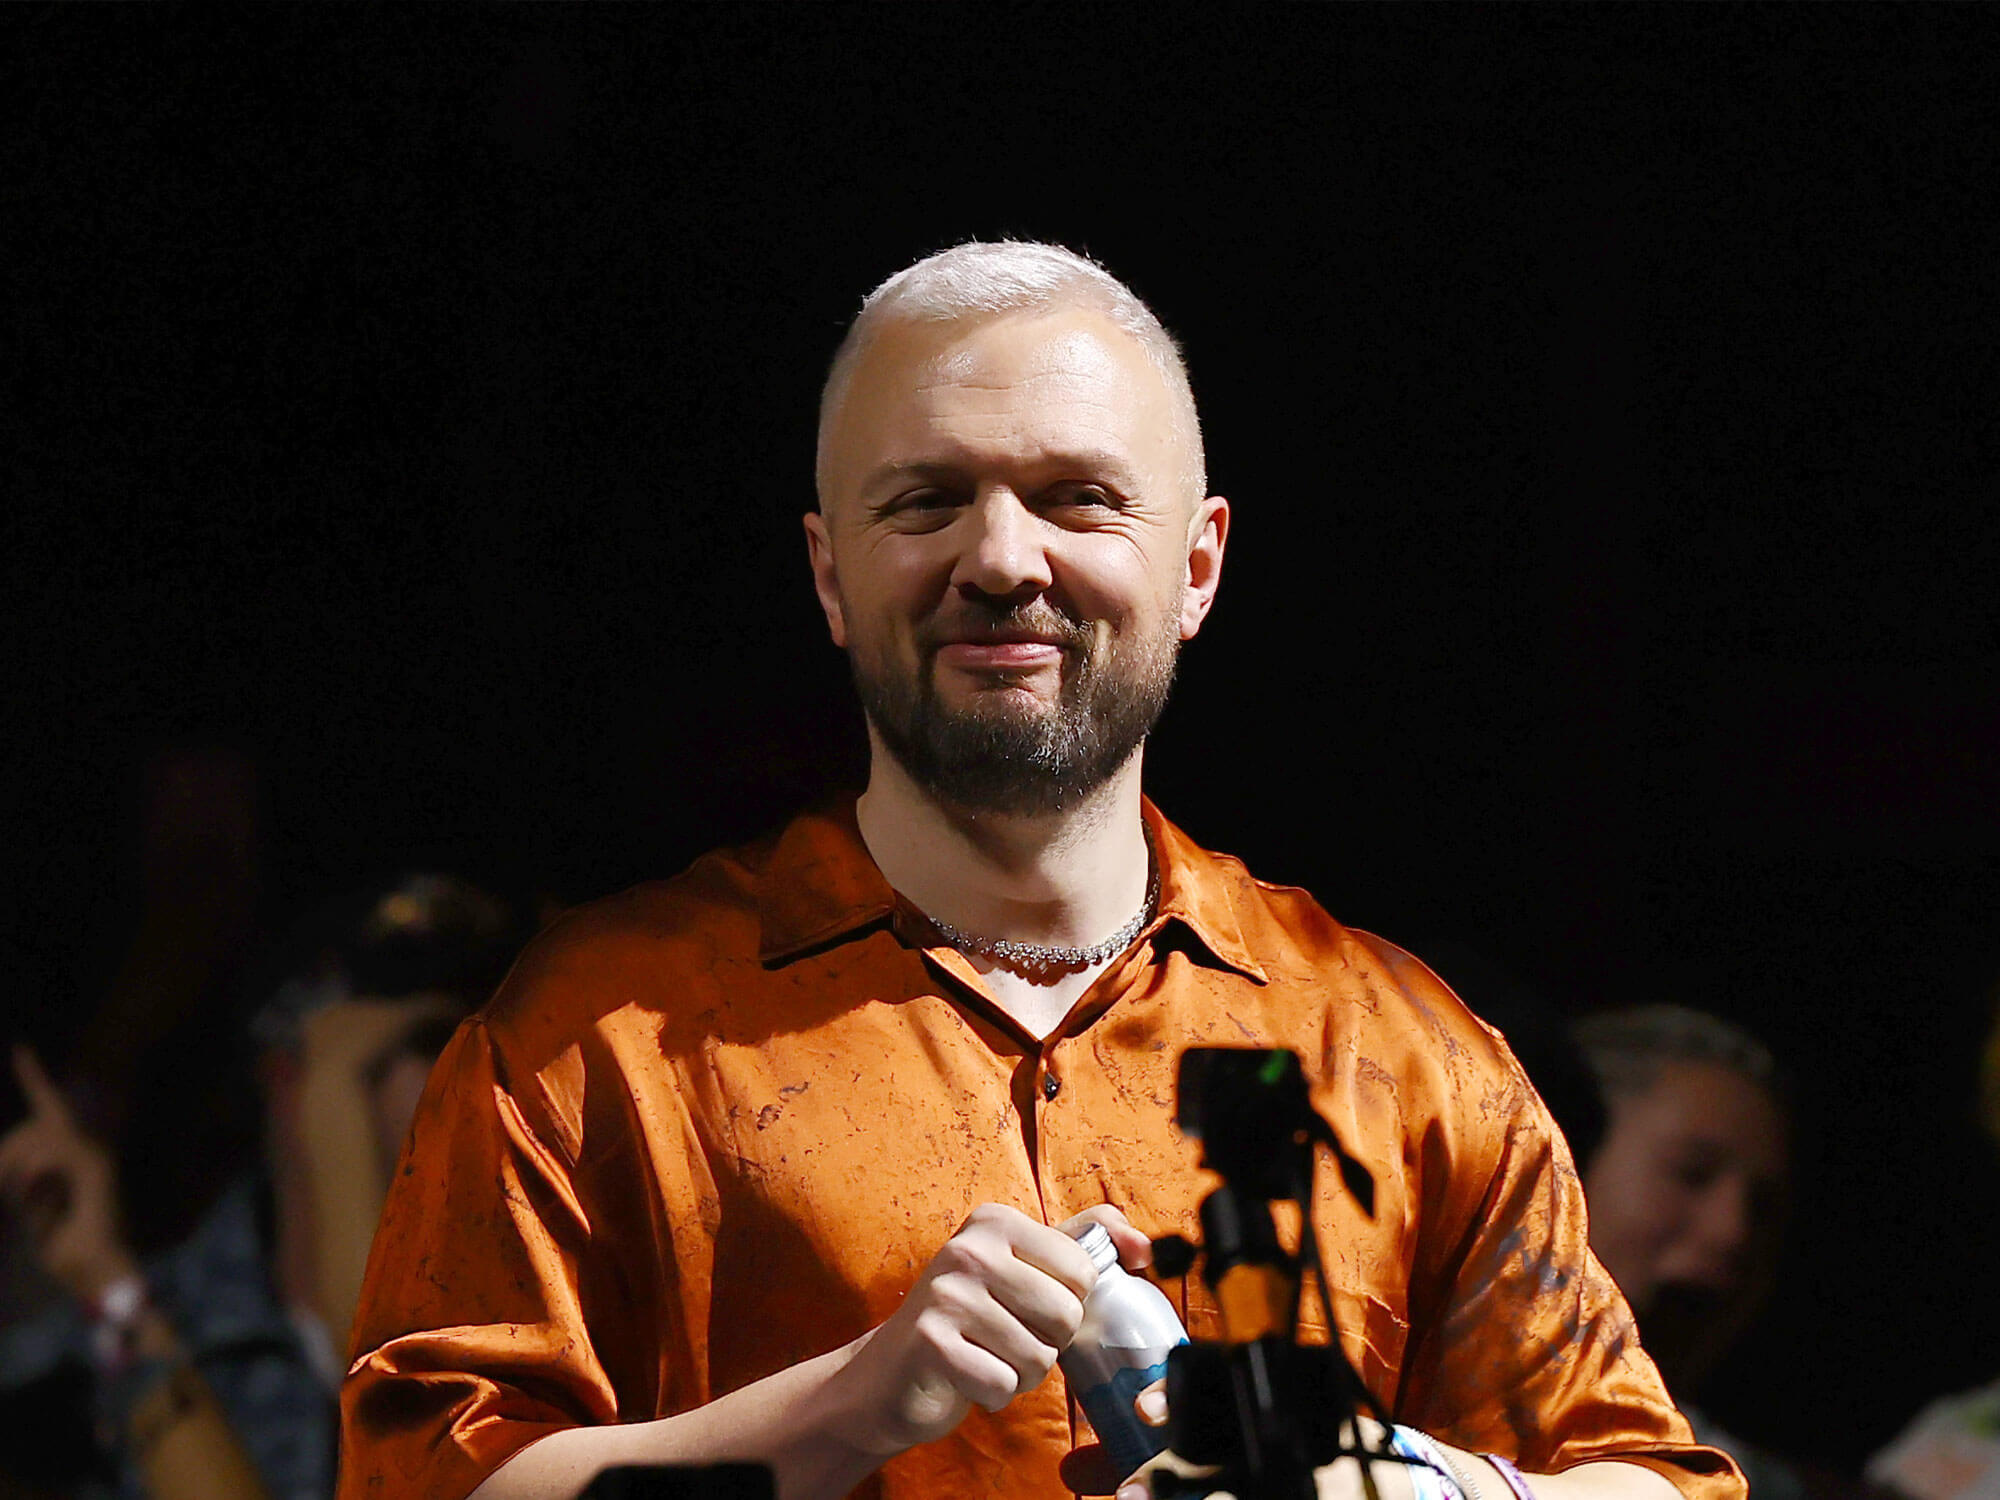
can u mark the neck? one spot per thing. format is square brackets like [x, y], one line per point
[1070, 878]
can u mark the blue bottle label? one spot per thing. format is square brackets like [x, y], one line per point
[1108, 1405]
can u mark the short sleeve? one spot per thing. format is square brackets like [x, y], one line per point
[471, 1338]
[1529, 1348]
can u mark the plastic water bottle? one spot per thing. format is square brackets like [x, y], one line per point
[1129, 1327]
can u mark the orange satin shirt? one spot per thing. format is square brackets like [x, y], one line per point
[716, 1125]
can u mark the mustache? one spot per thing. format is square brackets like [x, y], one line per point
[968, 621]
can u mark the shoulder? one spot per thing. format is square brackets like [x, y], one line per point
[1293, 937]
[593, 994]
[1380, 994]
[606, 978]
[634, 947]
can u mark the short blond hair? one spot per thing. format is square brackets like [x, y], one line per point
[989, 278]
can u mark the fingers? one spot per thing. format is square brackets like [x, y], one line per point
[1140, 1485]
[1090, 1470]
[986, 1321]
[19, 1149]
[1372, 1434]
[1053, 1253]
[47, 1143]
[38, 1174]
[1003, 1298]
[1135, 1249]
[1004, 1272]
[988, 1359]
[31, 1151]
[47, 1158]
[44, 1098]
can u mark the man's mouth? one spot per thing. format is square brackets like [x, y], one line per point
[1015, 645]
[1000, 653]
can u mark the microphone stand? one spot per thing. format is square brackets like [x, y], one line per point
[1263, 1409]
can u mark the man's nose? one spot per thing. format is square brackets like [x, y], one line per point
[1004, 552]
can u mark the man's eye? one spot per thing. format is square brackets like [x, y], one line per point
[1083, 495]
[920, 510]
[919, 500]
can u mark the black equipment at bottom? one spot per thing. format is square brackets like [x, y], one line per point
[1258, 1406]
[684, 1482]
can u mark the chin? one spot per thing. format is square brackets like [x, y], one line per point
[1042, 685]
[998, 703]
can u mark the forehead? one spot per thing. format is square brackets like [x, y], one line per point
[1707, 1102]
[1017, 386]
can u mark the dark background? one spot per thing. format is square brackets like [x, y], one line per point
[420, 401]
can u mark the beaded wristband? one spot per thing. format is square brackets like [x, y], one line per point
[114, 1322]
[1504, 1467]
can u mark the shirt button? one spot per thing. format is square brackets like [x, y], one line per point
[1051, 1085]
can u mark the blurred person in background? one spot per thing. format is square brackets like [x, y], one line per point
[1951, 1449]
[213, 1366]
[1688, 1194]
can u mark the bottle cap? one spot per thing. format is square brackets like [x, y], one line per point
[1096, 1242]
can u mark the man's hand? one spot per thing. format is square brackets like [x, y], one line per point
[1087, 1470]
[1135, 1250]
[984, 1322]
[1341, 1480]
[64, 1183]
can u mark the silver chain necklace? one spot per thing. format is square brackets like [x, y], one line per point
[1042, 958]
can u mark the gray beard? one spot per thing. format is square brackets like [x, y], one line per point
[995, 758]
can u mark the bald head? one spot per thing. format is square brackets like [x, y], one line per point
[973, 284]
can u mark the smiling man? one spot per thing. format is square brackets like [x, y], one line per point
[774, 1160]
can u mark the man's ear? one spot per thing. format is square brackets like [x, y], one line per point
[826, 582]
[1208, 534]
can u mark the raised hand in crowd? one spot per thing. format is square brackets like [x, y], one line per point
[65, 1185]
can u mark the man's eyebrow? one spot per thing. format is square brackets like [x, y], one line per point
[1082, 462]
[896, 468]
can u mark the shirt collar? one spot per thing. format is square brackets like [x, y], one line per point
[1199, 890]
[821, 884]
